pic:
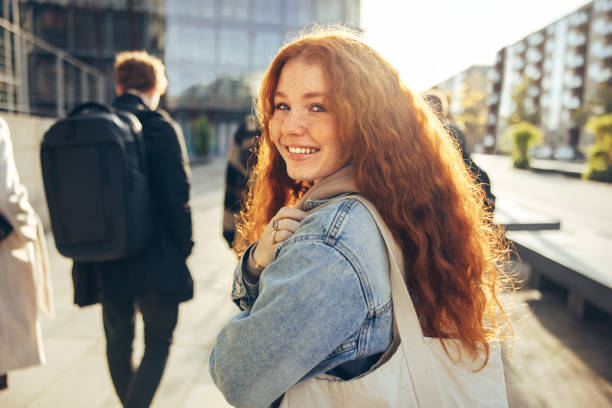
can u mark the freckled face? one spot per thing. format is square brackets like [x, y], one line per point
[303, 129]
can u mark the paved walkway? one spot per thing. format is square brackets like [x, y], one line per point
[557, 361]
[76, 374]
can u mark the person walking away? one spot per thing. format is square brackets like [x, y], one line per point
[439, 104]
[240, 163]
[154, 280]
[25, 280]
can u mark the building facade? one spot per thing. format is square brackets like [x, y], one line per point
[467, 93]
[94, 31]
[207, 39]
[563, 67]
[217, 50]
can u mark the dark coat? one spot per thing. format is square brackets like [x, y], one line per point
[160, 268]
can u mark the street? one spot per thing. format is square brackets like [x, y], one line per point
[556, 361]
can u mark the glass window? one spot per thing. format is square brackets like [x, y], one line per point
[234, 9]
[190, 42]
[299, 12]
[84, 26]
[128, 31]
[195, 8]
[266, 11]
[234, 47]
[329, 11]
[51, 24]
[266, 46]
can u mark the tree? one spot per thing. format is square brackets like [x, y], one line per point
[600, 157]
[520, 96]
[523, 135]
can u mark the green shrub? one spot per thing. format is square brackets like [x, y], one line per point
[599, 165]
[522, 135]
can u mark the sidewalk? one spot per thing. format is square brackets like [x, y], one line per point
[556, 361]
[76, 374]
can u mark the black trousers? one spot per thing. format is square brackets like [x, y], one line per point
[136, 386]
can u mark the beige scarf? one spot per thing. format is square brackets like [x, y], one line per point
[337, 183]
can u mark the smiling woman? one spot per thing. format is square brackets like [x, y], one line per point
[360, 202]
[303, 130]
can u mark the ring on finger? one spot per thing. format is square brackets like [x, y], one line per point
[275, 225]
[274, 237]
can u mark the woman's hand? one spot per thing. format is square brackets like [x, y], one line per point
[282, 226]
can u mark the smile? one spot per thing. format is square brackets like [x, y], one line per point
[302, 150]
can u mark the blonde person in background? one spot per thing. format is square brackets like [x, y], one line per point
[25, 281]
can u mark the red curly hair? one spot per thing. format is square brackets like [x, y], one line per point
[408, 166]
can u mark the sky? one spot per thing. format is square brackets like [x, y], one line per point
[429, 41]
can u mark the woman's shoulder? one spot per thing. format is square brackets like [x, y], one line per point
[343, 218]
[347, 226]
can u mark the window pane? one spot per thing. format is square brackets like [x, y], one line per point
[234, 9]
[266, 11]
[234, 47]
[298, 12]
[266, 46]
[52, 23]
[329, 11]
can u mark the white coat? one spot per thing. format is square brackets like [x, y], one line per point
[25, 284]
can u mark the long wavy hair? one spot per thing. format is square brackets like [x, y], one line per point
[409, 167]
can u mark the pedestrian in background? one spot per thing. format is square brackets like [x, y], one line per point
[25, 280]
[156, 279]
[343, 140]
[439, 104]
[240, 163]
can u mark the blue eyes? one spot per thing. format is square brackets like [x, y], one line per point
[317, 108]
[313, 108]
[281, 106]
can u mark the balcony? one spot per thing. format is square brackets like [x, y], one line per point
[576, 39]
[570, 101]
[601, 50]
[493, 75]
[601, 26]
[491, 119]
[534, 56]
[535, 39]
[578, 19]
[602, 6]
[533, 91]
[519, 47]
[572, 81]
[598, 73]
[573, 60]
[518, 64]
[532, 72]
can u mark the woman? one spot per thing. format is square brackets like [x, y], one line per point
[25, 282]
[313, 279]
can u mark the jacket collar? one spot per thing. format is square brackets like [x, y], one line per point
[129, 99]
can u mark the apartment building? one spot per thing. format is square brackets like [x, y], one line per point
[565, 65]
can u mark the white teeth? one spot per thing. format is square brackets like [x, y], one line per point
[301, 150]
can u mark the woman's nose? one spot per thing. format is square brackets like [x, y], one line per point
[293, 123]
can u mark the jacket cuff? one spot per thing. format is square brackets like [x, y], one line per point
[244, 294]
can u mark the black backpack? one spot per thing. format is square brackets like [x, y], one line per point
[95, 176]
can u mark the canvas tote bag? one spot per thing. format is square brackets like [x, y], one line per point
[418, 374]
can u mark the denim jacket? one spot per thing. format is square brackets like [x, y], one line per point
[322, 305]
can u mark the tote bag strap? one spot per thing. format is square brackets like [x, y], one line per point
[417, 354]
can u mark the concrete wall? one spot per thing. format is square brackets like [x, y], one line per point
[27, 133]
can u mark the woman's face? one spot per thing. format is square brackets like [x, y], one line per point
[303, 128]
